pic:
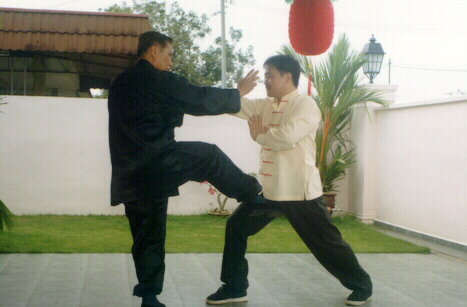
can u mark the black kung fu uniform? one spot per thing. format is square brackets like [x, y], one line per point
[145, 105]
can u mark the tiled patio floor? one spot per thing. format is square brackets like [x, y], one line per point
[106, 280]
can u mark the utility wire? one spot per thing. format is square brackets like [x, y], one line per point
[431, 69]
[400, 28]
[50, 7]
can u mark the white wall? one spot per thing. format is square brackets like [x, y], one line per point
[362, 199]
[55, 157]
[230, 134]
[418, 168]
[421, 169]
[411, 170]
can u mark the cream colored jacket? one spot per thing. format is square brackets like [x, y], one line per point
[288, 149]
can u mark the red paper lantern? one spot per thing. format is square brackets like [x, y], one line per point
[311, 26]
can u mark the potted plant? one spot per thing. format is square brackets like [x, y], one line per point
[221, 201]
[220, 210]
[336, 90]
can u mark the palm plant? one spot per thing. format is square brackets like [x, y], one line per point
[6, 217]
[337, 91]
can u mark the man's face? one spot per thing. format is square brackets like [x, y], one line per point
[163, 57]
[275, 83]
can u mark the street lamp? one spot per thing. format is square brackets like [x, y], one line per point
[374, 54]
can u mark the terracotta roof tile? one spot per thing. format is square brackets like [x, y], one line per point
[68, 31]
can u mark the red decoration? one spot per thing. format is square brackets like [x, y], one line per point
[310, 78]
[310, 83]
[311, 26]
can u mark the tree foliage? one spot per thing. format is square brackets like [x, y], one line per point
[201, 67]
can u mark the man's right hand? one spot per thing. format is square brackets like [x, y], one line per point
[256, 126]
[248, 83]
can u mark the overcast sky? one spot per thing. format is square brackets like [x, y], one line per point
[426, 40]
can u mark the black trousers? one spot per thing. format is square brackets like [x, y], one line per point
[148, 227]
[147, 217]
[312, 222]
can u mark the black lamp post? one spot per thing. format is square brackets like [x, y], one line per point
[374, 53]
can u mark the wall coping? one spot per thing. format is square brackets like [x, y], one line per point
[456, 99]
[422, 236]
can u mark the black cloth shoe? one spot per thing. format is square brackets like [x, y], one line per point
[225, 295]
[157, 304]
[358, 298]
[151, 300]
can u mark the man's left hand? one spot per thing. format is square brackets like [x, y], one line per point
[256, 126]
[248, 83]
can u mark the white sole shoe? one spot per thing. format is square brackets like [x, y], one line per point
[228, 300]
[357, 303]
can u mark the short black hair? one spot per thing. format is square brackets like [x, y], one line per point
[148, 39]
[285, 64]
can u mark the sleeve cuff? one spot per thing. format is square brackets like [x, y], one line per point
[261, 139]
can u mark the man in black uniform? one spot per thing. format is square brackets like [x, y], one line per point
[145, 104]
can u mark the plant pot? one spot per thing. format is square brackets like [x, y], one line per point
[218, 212]
[330, 200]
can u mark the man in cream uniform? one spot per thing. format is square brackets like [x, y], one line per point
[285, 125]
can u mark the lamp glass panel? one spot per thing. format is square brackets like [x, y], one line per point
[374, 63]
[366, 66]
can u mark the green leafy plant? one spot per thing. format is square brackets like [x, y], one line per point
[221, 198]
[7, 218]
[336, 92]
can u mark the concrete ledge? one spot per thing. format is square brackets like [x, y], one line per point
[421, 236]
